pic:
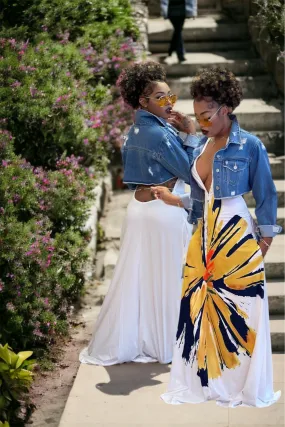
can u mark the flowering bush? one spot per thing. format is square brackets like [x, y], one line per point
[94, 19]
[45, 99]
[57, 99]
[42, 245]
[107, 64]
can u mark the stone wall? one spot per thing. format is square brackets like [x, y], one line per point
[140, 14]
[235, 8]
[153, 7]
[271, 55]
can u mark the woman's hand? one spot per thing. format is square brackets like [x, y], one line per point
[264, 244]
[182, 122]
[163, 193]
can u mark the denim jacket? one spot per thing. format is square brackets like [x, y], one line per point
[240, 167]
[190, 8]
[153, 153]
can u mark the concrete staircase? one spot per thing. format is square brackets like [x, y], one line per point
[213, 39]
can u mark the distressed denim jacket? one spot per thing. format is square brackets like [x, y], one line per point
[240, 167]
[153, 153]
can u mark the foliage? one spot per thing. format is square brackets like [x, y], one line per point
[59, 61]
[271, 15]
[26, 18]
[45, 100]
[15, 380]
[42, 245]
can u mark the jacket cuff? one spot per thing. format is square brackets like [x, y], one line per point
[268, 230]
[191, 140]
[185, 199]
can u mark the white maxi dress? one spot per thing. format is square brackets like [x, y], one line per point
[223, 346]
[138, 319]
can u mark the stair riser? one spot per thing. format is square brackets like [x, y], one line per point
[216, 46]
[252, 88]
[221, 32]
[278, 171]
[239, 67]
[274, 270]
[278, 342]
[258, 121]
[276, 305]
[251, 202]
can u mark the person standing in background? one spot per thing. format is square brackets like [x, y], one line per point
[177, 11]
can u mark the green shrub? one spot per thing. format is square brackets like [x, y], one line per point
[46, 100]
[15, 380]
[26, 18]
[42, 258]
[271, 15]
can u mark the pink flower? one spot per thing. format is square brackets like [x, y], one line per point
[86, 141]
[16, 84]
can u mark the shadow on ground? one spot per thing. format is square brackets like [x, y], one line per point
[128, 377]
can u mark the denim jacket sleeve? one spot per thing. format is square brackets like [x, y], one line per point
[264, 191]
[177, 157]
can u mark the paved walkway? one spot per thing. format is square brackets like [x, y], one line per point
[129, 394]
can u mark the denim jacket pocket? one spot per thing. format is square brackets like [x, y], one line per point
[234, 170]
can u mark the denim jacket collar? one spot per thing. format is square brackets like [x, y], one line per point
[144, 117]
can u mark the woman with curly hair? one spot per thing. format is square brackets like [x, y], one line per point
[223, 348]
[139, 315]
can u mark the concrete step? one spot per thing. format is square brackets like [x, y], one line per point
[241, 63]
[253, 114]
[274, 259]
[203, 28]
[280, 187]
[277, 330]
[162, 46]
[253, 87]
[277, 167]
[276, 297]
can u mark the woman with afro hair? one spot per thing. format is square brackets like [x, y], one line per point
[138, 319]
[223, 348]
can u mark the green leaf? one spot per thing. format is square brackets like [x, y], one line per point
[5, 354]
[22, 356]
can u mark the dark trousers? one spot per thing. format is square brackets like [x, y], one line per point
[176, 44]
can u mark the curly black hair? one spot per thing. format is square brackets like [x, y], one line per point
[219, 84]
[138, 79]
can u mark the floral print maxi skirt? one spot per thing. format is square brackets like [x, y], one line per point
[223, 346]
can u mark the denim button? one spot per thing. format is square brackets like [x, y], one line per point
[217, 187]
[217, 170]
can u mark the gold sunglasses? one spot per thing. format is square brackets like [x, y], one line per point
[206, 123]
[163, 100]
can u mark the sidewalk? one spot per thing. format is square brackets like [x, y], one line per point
[129, 394]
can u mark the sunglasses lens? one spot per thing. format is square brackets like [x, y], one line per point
[204, 123]
[162, 102]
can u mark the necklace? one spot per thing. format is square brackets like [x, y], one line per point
[213, 141]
